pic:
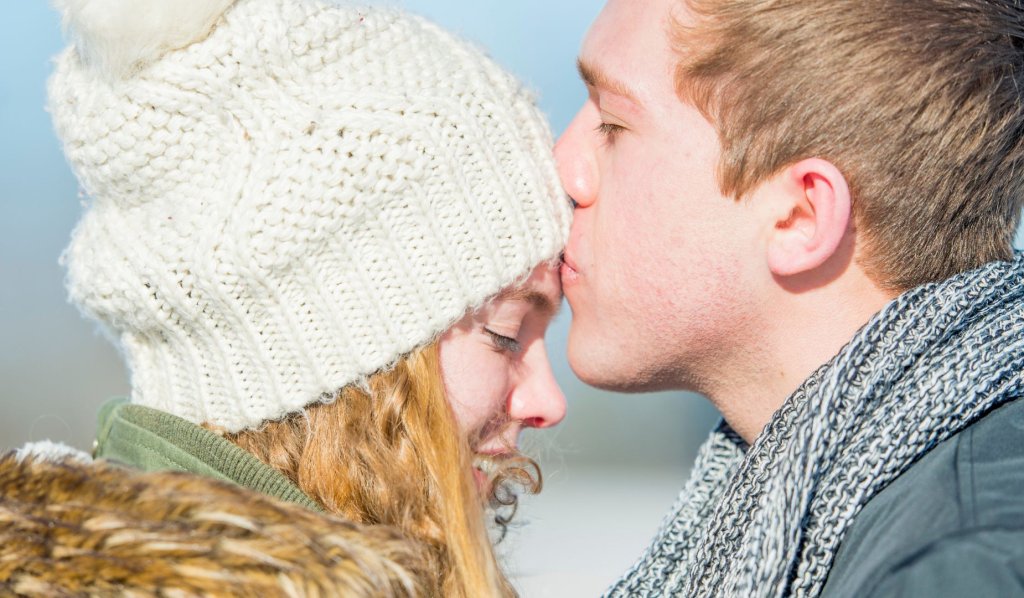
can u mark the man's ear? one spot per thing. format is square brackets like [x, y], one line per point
[813, 209]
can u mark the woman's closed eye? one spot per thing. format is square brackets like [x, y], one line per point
[504, 343]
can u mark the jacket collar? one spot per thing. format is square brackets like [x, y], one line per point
[150, 440]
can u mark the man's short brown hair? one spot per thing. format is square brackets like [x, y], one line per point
[917, 102]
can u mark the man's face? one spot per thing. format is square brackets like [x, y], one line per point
[657, 258]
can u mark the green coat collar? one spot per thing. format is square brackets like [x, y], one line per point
[153, 440]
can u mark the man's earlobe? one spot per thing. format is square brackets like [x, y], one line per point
[815, 209]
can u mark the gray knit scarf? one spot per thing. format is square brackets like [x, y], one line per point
[767, 520]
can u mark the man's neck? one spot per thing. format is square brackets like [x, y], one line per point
[803, 332]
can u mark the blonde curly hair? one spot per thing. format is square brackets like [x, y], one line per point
[390, 452]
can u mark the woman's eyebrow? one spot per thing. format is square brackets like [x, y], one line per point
[540, 301]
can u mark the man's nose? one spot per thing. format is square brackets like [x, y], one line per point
[576, 161]
[537, 400]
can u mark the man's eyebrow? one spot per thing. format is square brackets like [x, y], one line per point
[538, 300]
[595, 77]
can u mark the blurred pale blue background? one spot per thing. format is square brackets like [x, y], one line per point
[611, 469]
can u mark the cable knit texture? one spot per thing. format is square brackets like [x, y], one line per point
[766, 521]
[295, 200]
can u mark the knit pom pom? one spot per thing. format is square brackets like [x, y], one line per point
[120, 37]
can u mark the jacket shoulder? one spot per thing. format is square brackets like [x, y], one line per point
[69, 527]
[982, 563]
[964, 494]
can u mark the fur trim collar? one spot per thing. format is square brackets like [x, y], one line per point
[74, 528]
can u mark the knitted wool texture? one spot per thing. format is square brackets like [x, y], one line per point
[768, 520]
[297, 199]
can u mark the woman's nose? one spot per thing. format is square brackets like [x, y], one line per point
[537, 400]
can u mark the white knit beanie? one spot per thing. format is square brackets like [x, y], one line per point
[289, 195]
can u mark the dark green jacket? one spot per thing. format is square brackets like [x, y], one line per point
[152, 440]
[951, 525]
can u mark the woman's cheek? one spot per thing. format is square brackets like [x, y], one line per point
[493, 390]
[494, 382]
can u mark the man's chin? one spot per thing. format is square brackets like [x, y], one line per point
[593, 367]
[605, 372]
[625, 384]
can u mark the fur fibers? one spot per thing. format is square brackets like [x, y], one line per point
[119, 37]
[54, 451]
[74, 528]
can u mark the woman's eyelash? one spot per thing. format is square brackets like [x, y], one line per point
[504, 343]
[609, 130]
